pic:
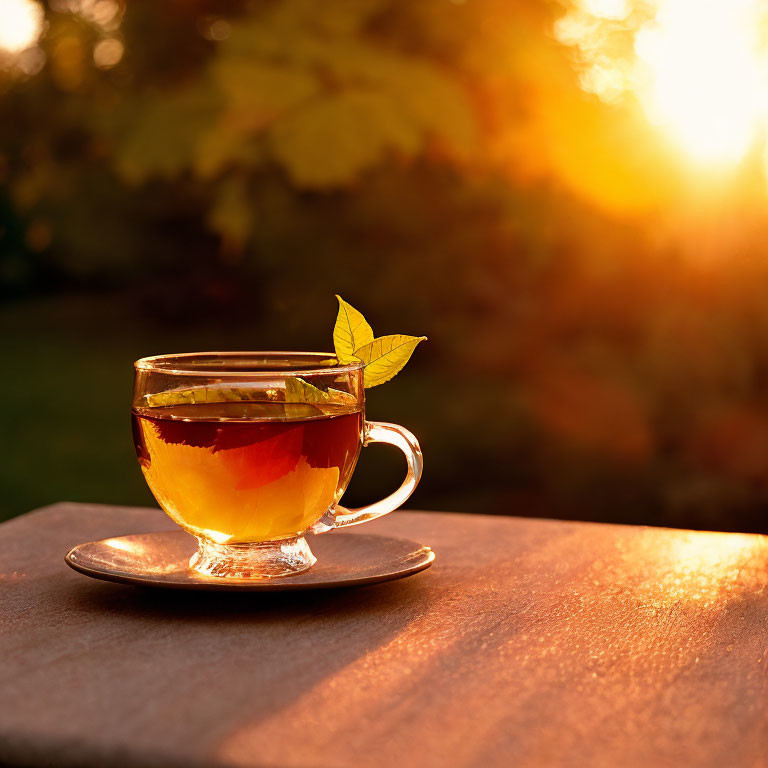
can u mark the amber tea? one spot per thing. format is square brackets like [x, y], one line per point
[238, 472]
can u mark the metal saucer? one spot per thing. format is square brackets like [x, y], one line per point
[161, 560]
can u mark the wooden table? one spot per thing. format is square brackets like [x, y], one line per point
[528, 643]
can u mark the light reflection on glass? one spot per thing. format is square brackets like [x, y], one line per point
[130, 554]
[126, 545]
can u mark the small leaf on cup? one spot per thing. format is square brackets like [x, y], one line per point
[350, 332]
[385, 357]
[299, 391]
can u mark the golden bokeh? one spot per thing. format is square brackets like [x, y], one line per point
[22, 23]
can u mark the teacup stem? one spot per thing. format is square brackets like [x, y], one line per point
[264, 560]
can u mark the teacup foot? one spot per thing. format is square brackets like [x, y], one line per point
[265, 560]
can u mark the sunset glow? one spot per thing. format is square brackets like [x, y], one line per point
[705, 76]
[697, 70]
[20, 25]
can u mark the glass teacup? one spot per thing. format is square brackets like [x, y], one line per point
[250, 451]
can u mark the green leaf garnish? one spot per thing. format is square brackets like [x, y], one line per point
[350, 332]
[353, 341]
[383, 358]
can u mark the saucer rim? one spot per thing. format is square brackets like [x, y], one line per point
[275, 584]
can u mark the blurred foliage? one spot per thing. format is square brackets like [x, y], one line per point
[598, 327]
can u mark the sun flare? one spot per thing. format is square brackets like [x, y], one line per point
[699, 70]
[21, 22]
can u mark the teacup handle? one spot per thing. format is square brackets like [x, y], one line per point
[380, 432]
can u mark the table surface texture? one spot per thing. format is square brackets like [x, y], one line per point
[528, 643]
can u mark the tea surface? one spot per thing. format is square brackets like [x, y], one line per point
[247, 471]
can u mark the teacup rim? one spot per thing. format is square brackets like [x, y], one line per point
[150, 363]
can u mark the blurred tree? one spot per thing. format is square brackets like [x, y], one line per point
[213, 164]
